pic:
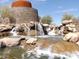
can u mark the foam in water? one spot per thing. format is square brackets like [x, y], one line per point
[52, 32]
[39, 52]
[13, 32]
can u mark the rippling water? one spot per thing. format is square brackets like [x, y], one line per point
[36, 53]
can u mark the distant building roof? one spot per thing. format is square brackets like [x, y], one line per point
[21, 3]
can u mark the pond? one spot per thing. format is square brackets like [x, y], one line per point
[37, 53]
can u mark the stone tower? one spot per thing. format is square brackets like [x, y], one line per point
[23, 12]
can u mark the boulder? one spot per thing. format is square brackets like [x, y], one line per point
[72, 37]
[67, 21]
[10, 41]
[5, 28]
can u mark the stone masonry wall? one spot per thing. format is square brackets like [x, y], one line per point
[24, 14]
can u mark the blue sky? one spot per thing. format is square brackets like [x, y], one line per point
[54, 8]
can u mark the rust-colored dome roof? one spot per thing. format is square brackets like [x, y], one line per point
[21, 4]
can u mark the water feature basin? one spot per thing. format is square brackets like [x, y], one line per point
[46, 47]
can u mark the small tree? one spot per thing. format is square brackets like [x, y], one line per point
[46, 19]
[67, 17]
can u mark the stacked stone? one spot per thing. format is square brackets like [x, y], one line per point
[23, 12]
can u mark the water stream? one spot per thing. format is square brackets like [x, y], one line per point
[36, 53]
[39, 53]
[40, 29]
[14, 32]
[18, 52]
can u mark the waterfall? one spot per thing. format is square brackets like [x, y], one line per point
[40, 29]
[14, 32]
[52, 32]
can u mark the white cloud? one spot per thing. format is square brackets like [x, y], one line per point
[66, 10]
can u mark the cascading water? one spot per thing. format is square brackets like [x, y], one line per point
[40, 53]
[52, 32]
[40, 29]
[14, 32]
